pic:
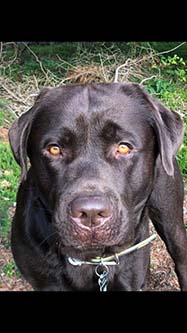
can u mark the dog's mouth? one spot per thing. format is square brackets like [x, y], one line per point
[87, 241]
[89, 236]
[91, 249]
[110, 233]
[91, 222]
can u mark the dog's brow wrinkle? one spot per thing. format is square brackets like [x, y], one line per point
[80, 120]
[82, 127]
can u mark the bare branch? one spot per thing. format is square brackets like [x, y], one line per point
[12, 94]
[102, 67]
[65, 62]
[146, 57]
[37, 59]
[4, 62]
[147, 78]
[171, 50]
[117, 70]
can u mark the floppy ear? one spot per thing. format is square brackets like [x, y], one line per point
[19, 133]
[167, 124]
[169, 130]
[18, 136]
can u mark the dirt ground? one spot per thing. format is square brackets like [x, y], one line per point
[162, 277]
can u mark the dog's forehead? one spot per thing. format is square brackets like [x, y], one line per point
[106, 101]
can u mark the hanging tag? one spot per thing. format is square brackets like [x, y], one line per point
[103, 281]
[103, 277]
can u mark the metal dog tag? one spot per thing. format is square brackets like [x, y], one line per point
[103, 281]
[103, 277]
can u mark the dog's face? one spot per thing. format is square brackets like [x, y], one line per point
[93, 151]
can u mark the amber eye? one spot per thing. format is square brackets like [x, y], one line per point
[123, 148]
[54, 150]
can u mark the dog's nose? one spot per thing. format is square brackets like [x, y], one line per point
[90, 211]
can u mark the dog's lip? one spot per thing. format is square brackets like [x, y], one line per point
[76, 222]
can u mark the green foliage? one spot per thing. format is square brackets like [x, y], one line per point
[11, 270]
[182, 155]
[171, 73]
[165, 46]
[177, 100]
[159, 86]
[2, 117]
[9, 180]
[168, 86]
[50, 50]
[6, 117]
[174, 68]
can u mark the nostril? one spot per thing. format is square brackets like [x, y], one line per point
[104, 213]
[75, 213]
[83, 215]
[91, 210]
[78, 213]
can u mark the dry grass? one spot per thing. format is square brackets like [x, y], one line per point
[84, 69]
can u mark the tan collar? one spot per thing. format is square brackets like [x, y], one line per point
[113, 259]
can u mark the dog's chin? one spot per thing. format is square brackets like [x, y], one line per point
[91, 248]
[78, 236]
[90, 251]
[90, 240]
[84, 252]
[81, 242]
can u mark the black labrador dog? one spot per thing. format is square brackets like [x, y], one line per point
[102, 164]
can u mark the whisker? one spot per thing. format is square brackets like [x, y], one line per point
[44, 209]
[44, 240]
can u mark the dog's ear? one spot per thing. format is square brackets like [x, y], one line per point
[19, 133]
[18, 136]
[167, 124]
[169, 130]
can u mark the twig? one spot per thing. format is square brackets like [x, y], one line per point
[117, 70]
[29, 96]
[171, 50]
[12, 94]
[147, 78]
[37, 59]
[148, 57]
[7, 63]
[12, 111]
[36, 82]
[102, 67]
[64, 61]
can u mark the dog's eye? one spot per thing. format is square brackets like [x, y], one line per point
[124, 148]
[54, 150]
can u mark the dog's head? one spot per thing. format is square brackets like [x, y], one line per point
[93, 150]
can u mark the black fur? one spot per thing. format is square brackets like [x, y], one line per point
[88, 122]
